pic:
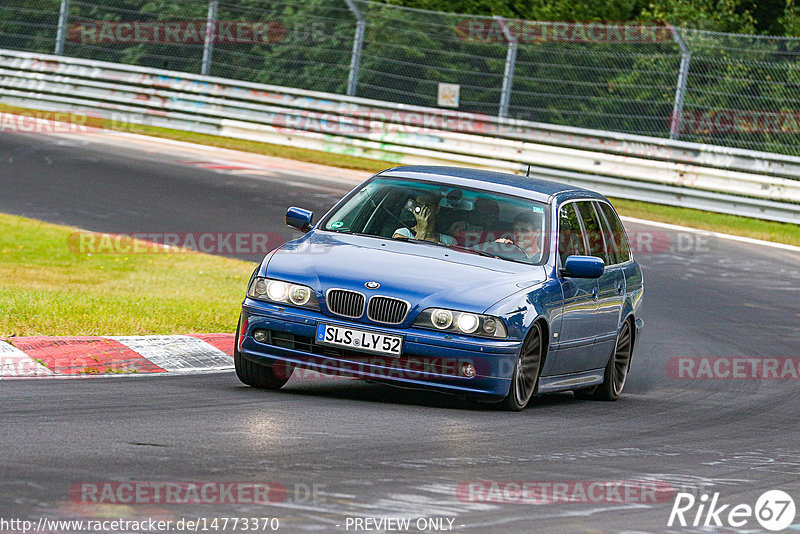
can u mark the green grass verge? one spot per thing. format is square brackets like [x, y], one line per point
[729, 224]
[45, 289]
[715, 222]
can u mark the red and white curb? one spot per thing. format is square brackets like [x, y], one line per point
[82, 356]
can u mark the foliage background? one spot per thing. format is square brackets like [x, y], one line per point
[744, 57]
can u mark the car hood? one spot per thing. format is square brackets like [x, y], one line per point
[424, 275]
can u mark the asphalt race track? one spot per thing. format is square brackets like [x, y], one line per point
[346, 449]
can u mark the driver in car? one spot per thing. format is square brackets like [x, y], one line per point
[527, 233]
[425, 209]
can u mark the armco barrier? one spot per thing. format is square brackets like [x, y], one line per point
[714, 178]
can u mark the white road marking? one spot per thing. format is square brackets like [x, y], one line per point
[729, 237]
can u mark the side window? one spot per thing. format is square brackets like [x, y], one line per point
[593, 231]
[611, 245]
[617, 232]
[570, 238]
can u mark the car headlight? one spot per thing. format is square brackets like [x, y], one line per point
[472, 324]
[283, 292]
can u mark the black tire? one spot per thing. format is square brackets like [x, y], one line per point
[616, 370]
[256, 375]
[526, 372]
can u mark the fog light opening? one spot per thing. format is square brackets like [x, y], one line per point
[260, 335]
[468, 370]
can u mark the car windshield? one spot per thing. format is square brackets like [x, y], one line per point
[471, 221]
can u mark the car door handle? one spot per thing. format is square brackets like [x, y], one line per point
[619, 288]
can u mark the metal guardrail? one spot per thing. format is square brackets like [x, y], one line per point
[726, 180]
[641, 77]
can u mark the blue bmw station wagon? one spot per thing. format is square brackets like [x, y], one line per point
[481, 284]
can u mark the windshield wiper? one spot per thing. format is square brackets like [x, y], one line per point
[350, 232]
[473, 251]
[420, 241]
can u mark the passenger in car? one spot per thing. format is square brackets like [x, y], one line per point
[425, 209]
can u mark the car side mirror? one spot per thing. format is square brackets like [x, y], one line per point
[583, 267]
[299, 218]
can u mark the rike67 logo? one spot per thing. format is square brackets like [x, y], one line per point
[774, 510]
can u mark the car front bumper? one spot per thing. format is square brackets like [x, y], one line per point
[429, 359]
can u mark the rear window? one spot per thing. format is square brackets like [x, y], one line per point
[617, 233]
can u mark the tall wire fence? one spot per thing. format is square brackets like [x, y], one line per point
[642, 78]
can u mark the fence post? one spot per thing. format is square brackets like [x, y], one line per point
[211, 34]
[61, 34]
[680, 89]
[358, 42]
[508, 72]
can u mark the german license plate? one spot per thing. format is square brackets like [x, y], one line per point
[359, 339]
